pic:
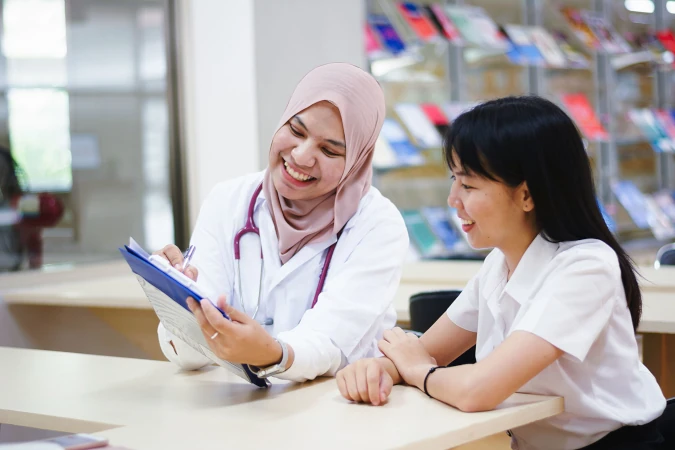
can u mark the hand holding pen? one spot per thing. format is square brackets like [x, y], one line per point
[180, 260]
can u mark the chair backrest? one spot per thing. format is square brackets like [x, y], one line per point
[425, 310]
[667, 424]
[665, 256]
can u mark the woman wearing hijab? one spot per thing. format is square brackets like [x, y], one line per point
[332, 246]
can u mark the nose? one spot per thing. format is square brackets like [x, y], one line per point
[303, 154]
[453, 198]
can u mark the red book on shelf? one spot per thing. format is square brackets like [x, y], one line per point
[449, 30]
[435, 114]
[583, 114]
[667, 39]
[372, 44]
[418, 21]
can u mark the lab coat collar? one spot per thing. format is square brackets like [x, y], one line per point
[536, 257]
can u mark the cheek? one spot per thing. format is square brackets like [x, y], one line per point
[332, 170]
[280, 142]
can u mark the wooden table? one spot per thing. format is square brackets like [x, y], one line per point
[142, 404]
[112, 296]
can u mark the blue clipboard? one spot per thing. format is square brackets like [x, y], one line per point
[176, 291]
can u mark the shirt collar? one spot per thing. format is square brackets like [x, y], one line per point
[536, 257]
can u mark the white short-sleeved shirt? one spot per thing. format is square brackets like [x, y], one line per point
[571, 295]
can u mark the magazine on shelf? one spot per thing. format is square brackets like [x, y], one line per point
[580, 28]
[548, 46]
[583, 114]
[421, 235]
[418, 124]
[666, 202]
[394, 135]
[659, 222]
[609, 40]
[436, 115]
[386, 33]
[374, 48]
[523, 50]
[476, 27]
[439, 221]
[416, 18]
[445, 25]
[633, 201]
[573, 57]
[651, 129]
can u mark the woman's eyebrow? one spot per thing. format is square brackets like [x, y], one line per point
[330, 141]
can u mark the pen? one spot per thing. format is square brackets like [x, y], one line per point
[187, 257]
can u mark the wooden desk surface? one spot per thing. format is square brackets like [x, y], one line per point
[148, 405]
[115, 288]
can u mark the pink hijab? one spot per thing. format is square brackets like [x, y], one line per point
[360, 100]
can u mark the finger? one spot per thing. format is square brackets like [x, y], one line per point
[198, 312]
[373, 377]
[192, 273]
[235, 314]
[173, 255]
[342, 386]
[399, 333]
[388, 335]
[384, 347]
[362, 385]
[386, 385]
[352, 387]
[215, 318]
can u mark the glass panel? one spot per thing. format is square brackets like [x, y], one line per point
[84, 112]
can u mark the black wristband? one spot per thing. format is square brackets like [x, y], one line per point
[432, 370]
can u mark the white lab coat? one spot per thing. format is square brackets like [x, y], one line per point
[355, 306]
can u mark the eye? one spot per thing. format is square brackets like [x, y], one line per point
[294, 130]
[329, 153]
[466, 187]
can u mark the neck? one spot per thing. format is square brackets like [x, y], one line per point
[516, 248]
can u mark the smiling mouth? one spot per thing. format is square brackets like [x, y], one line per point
[297, 175]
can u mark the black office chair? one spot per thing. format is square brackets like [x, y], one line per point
[665, 256]
[426, 308]
[667, 425]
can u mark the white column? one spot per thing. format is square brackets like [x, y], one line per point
[240, 62]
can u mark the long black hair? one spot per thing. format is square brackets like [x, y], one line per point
[516, 139]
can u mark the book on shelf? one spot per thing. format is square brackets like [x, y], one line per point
[580, 28]
[374, 48]
[659, 222]
[418, 125]
[418, 21]
[548, 47]
[386, 33]
[573, 57]
[651, 129]
[633, 201]
[667, 39]
[439, 221]
[584, 115]
[421, 235]
[611, 223]
[665, 199]
[395, 139]
[476, 27]
[523, 49]
[436, 115]
[446, 27]
[607, 37]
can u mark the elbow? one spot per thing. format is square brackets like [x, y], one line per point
[476, 398]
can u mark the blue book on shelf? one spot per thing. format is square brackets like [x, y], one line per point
[438, 220]
[386, 33]
[406, 153]
[633, 202]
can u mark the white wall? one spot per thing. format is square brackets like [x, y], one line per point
[241, 60]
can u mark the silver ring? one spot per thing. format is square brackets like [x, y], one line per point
[215, 335]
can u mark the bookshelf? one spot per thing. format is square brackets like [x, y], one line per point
[604, 64]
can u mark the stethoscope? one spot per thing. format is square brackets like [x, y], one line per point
[250, 227]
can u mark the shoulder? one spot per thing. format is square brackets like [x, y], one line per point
[587, 256]
[228, 193]
[377, 212]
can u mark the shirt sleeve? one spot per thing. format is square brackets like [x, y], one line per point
[354, 309]
[576, 303]
[464, 310]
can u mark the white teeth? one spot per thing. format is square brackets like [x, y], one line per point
[294, 174]
[467, 222]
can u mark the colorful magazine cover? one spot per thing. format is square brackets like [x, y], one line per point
[418, 124]
[524, 50]
[415, 16]
[437, 15]
[436, 115]
[583, 114]
[421, 234]
[406, 153]
[386, 34]
[476, 27]
[573, 57]
[548, 46]
[609, 39]
[580, 28]
[438, 220]
[633, 201]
